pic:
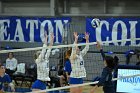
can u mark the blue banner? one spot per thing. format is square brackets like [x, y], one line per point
[32, 29]
[112, 29]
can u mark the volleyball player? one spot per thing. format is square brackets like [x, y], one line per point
[106, 77]
[77, 63]
[42, 61]
[67, 66]
[5, 80]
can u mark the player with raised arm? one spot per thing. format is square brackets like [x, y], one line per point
[42, 61]
[77, 63]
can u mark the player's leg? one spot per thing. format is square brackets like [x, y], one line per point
[80, 89]
[75, 81]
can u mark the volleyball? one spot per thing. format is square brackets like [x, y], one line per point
[95, 22]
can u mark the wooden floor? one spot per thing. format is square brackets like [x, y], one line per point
[85, 90]
[88, 88]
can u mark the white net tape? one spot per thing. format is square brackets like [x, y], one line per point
[85, 84]
[61, 46]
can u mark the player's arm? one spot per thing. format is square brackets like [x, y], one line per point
[101, 81]
[84, 51]
[67, 69]
[73, 53]
[49, 49]
[103, 77]
[11, 85]
[42, 54]
[1, 91]
[99, 47]
[15, 65]
[7, 65]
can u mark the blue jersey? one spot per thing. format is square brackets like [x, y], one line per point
[5, 79]
[67, 67]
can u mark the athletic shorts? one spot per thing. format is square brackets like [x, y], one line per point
[38, 84]
[76, 80]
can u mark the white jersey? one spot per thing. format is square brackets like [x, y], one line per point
[11, 63]
[43, 65]
[77, 64]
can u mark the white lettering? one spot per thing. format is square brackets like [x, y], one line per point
[19, 32]
[98, 30]
[32, 24]
[3, 29]
[133, 32]
[60, 28]
[115, 31]
[42, 29]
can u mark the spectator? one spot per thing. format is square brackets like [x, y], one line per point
[11, 64]
[5, 80]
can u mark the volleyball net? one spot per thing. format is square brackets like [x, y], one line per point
[93, 64]
[93, 60]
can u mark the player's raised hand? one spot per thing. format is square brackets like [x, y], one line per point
[52, 38]
[98, 45]
[75, 35]
[86, 36]
[46, 38]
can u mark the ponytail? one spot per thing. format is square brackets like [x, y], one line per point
[110, 62]
[116, 61]
[67, 54]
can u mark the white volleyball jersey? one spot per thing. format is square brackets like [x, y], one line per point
[77, 64]
[11, 63]
[43, 65]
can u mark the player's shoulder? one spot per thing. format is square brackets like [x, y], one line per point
[67, 61]
[107, 69]
[14, 59]
[7, 59]
[6, 75]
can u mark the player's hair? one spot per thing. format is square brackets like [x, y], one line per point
[11, 53]
[0, 64]
[67, 54]
[80, 47]
[116, 60]
[138, 56]
[110, 62]
[37, 54]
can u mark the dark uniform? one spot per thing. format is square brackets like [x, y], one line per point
[106, 81]
[106, 78]
[138, 63]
